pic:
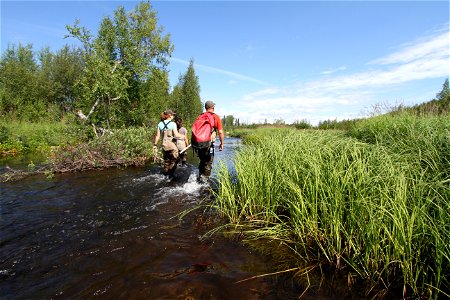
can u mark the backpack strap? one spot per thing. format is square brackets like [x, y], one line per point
[165, 125]
[213, 128]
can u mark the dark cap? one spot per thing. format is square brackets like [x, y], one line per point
[168, 112]
[209, 104]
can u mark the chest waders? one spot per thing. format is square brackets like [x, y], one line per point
[170, 151]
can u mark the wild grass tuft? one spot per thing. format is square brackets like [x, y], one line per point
[21, 137]
[374, 200]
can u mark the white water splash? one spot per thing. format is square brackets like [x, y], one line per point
[192, 186]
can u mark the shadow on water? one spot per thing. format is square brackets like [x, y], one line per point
[114, 234]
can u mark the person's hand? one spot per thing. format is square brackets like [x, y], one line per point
[221, 147]
[155, 152]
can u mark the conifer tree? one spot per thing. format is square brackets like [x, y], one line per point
[190, 103]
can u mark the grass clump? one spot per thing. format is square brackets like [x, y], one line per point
[373, 201]
[21, 137]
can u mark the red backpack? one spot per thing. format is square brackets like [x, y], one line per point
[202, 129]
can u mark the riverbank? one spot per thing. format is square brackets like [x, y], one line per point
[371, 202]
[22, 138]
[63, 147]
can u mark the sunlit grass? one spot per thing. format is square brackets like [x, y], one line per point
[375, 200]
[23, 137]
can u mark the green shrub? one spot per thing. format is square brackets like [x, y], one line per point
[21, 137]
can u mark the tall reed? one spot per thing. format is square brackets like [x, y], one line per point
[362, 201]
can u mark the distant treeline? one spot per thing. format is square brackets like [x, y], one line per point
[437, 107]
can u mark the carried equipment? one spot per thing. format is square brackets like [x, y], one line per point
[182, 151]
[202, 129]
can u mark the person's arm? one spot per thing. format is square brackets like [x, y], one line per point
[219, 129]
[157, 136]
[176, 133]
[186, 140]
[222, 139]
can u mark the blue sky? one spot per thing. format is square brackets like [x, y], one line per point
[269, 60]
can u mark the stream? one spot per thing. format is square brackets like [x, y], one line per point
[115, 234]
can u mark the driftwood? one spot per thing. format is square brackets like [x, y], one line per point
[98, 131]
[80, 114]
[14, 175]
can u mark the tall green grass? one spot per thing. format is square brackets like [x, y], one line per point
[22, 137]
[375, 200]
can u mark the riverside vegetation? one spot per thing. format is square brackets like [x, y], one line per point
[69, 148]
[372, 201]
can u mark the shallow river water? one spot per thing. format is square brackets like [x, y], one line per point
[114, 234]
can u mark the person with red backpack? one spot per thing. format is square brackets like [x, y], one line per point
[204, 131]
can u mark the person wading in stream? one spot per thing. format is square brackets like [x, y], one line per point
[168, 131]
[182, 143]
[204, 131]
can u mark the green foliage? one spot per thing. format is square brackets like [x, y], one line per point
[444, 94]
[228, 122]
[31, 166]
[17, 79]
[4, 133]
[61, 71]
[37, 91]
[22, 137]
[337, 125]
[185, 97]
[125, 143]
[175, 96]
[155, 96]
[422, 140]
[375, 201]
[128, 48]
[302, 124]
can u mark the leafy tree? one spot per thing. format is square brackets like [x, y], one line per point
[18, 81]
[125, 53]
[56, 78]
[279, 121]
[35, 89]
[302, 124]
[155, 96]
[228, 121]
[67, 66]
[175, 96]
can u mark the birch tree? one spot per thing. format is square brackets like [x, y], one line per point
[118, 60]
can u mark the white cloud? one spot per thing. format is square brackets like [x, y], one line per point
[209, 69]
[331, 71]
[426, 58]
[429, 47]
